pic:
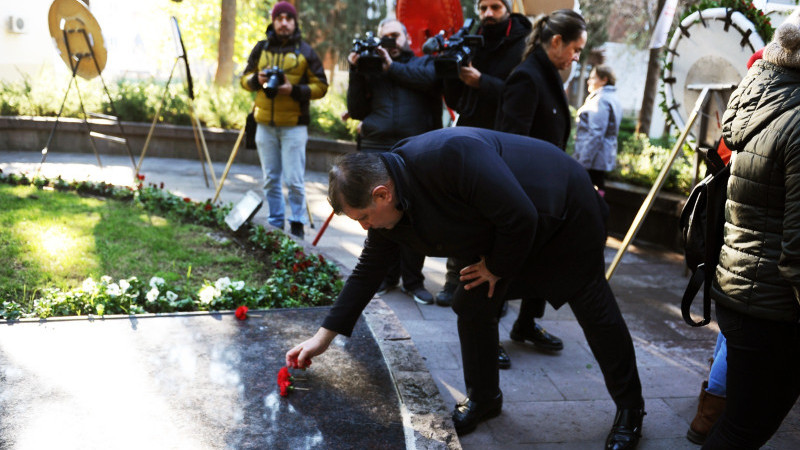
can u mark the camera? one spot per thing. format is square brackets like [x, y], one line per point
[453, 52]
[275, 78]
[369, 60]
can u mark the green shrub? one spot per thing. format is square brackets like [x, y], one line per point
[640, 160]
[326, 118]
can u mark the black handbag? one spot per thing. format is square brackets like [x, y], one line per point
[250, 132]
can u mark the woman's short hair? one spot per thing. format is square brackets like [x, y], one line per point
[605, 71]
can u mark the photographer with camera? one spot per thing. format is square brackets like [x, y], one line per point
[476, 91]
[285, 73]
[395, 95]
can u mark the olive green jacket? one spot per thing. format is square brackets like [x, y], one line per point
[759, 269]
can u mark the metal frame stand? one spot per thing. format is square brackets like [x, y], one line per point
[700, 104]
[197, 130]
[75, 60]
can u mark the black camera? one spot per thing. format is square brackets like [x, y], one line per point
[453, 52]
[369, 60]
[275, 78]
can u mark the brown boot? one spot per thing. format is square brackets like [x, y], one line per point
[709, 408]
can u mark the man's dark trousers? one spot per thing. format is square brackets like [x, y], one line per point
[596, 310]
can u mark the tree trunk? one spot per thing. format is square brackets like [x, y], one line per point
[227, 33]
[651, 83]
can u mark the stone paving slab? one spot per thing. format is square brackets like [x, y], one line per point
[191, 381]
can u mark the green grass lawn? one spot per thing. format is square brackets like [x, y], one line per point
[58, 239]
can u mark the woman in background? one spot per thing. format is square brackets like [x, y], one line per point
[598, 125]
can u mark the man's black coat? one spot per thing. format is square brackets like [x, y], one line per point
[534, 103]
[524, 204]
[403, 102]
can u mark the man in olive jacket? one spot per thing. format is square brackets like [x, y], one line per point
[282, 116]
[522, 212]
[757, 282]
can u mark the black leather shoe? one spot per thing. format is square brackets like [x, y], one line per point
[445, 296]
[503, 360]
[468, 414]
[627, 429]
[537, 335]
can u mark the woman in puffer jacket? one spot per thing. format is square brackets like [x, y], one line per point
[757, 285]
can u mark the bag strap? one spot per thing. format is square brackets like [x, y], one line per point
[695, 282]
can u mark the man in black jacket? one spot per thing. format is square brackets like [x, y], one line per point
[527, 218]
[399, 102]
[475, 95]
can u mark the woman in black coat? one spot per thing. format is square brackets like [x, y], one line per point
[534, 104]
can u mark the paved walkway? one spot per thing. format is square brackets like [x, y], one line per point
[552, 401]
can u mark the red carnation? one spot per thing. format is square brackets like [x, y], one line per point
[161, 185]
[285, 382]
[207, 207]
[187, 199]
[241, 312]
[140, 177]
[321, 259]
[295, 267]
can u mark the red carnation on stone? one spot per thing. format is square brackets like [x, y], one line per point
[241, 312]
[285, 380]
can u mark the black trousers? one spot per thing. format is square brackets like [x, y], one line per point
[530, 309]
[597, 312]
[763, 379]
[407, 265]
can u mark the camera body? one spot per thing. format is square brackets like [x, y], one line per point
[275, 78]
[369, 60]
[453, 52]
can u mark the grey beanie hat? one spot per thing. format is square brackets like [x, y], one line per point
[505, 2]
[784, 50]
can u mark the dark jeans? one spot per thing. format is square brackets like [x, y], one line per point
[409, 267]
[598, 314]
[763, 379]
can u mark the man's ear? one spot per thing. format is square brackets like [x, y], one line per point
[382, 192]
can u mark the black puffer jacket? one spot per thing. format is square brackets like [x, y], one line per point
[397, 104]
[759, 269]
[504, 44]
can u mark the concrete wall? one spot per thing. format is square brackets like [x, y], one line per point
[168, 141]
